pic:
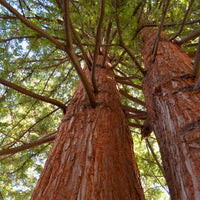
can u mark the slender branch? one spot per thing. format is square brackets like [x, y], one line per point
[138, 116]
[128, 78]
[122, 42]
[183, 22]
[19, 37]
[155, 157]
[155, 47]
[87, 61]
[130, 83]
[134, 125]
[132, 98]
[133, 110]
[27, 146]
[32, 26]
[37, 122]
[97, 44]
[119, 59]
[188, 38]
[33, 95]
[164, 25]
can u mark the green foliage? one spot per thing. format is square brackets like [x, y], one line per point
[33, 62]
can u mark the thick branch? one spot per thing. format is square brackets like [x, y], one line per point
[72, 55]
[107, 42]
[31, 94]
[155, 47]
[196, 69]
[67, 24]
[27, 146]
[97, 44]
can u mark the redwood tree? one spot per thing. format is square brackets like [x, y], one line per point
[173, 110]
[44, 46]
[92, 156]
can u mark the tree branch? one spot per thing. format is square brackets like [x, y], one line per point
[132, 98]
[107, 42]
[67, 24]
[133, 110]
[183, 22]
[196, 69]
[27, 146]
[73, 57]
[155, 47]
[134, 125]
[130, 83]
[122, 42]
[155, 157]
[97, 44]
[32, 26]
[33, 95]
[188, 38]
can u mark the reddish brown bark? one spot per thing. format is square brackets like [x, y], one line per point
[174, 112]
[92, 157]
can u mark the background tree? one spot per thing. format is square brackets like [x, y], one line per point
[34, 61]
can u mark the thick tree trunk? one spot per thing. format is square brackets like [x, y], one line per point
[92, 157]
[175, 114]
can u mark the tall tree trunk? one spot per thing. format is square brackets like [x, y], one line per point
[174, 114]
[92, 157]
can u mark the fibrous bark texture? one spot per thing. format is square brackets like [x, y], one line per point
[92, 157]
[175, 114]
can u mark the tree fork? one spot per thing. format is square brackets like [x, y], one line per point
[174, 110]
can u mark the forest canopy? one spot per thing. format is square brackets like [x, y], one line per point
[44, 45]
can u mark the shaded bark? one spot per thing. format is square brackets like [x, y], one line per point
[174, 114]
[92, 157]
